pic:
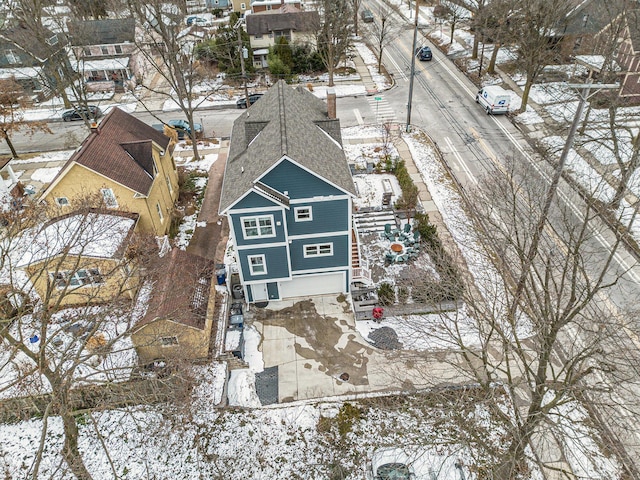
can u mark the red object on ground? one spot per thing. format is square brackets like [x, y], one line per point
[377, 313]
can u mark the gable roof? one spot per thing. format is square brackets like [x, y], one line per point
[284, 122]
[632, 18]
[92, 234]
[181, 289]
[591, 16]
[107, 31]
[286, 17]
[31, 49]
[120, 148]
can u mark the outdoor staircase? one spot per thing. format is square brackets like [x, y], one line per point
[374, 221]
[233, 362]
[360, 272]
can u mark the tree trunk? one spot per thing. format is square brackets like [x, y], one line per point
[525, 93]
[476, 41]
[453, 28]
[14, 154]
[70, 450]
[330, 71]
[494, 56]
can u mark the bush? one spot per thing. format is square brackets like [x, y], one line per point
[386, 294]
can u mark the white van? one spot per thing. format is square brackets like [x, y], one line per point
[494, 99]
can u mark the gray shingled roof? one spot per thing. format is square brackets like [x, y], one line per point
[285, 121]
[261, 23]
[102, 32]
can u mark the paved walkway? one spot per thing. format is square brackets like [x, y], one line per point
[210, 241]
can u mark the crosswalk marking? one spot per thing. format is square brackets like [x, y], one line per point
[381, 109]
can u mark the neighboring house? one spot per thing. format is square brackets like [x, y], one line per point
[37, 64]
[268, 5]
[105, 53]
[578, 30]
[125, 163]
[265, 29]
[179, 317]
[241, 6]
[214, 4]
[80, 258]
[287, 192]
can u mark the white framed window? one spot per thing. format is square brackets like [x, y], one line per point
[79, 278]
[243, 6]
[257, 264]
[258, 227]
[105, 50]
[318, 250]
[303, 214]
[168, 341]
[62, 201]
[118, 49]
[159, 209]
[86, 51]
[169, 184]
[109, 198]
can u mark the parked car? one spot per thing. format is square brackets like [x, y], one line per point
[424, 54]
[390, 464]
[203, 22]
[91, 113]
[183, 129]
[242, 101]
[366, 16]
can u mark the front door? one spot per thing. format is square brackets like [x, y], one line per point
[259, 291]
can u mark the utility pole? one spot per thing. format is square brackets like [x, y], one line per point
[242, 51]
[532, 252]
[413, 66]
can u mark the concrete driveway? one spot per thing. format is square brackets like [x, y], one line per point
[319, 353]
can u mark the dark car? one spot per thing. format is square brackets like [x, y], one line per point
[366, 16]
[424, 54]
[183, 128]
[90, 113]
[242, 101]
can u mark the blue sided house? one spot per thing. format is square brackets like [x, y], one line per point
[287, 193]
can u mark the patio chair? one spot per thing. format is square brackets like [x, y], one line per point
[390, 257]
[402, 258]
[407, 228]
[388, 233]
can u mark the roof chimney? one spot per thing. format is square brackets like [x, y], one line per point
[94, 127]
[331, 102]
[282, 3]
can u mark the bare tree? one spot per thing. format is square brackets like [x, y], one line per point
[171, 54]
[355, 6]
[452, 13]
[13, 103]
[548, 340]
[535, 26]
[333, 38]
[382, 34]
[71, 314]
[42, 34]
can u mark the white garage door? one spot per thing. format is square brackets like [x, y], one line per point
[313, 285]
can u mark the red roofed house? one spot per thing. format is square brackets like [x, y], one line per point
[128, 166]
[179, 318]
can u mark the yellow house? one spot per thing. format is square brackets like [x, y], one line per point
[81, 258]
[179, 319]
[125, 163]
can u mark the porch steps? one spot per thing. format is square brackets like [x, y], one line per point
[355, 256]
[233, 362]
[367, 222]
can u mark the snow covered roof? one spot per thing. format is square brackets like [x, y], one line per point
[595, 62]
[94, 234]
[103, 64]
[20, 73]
